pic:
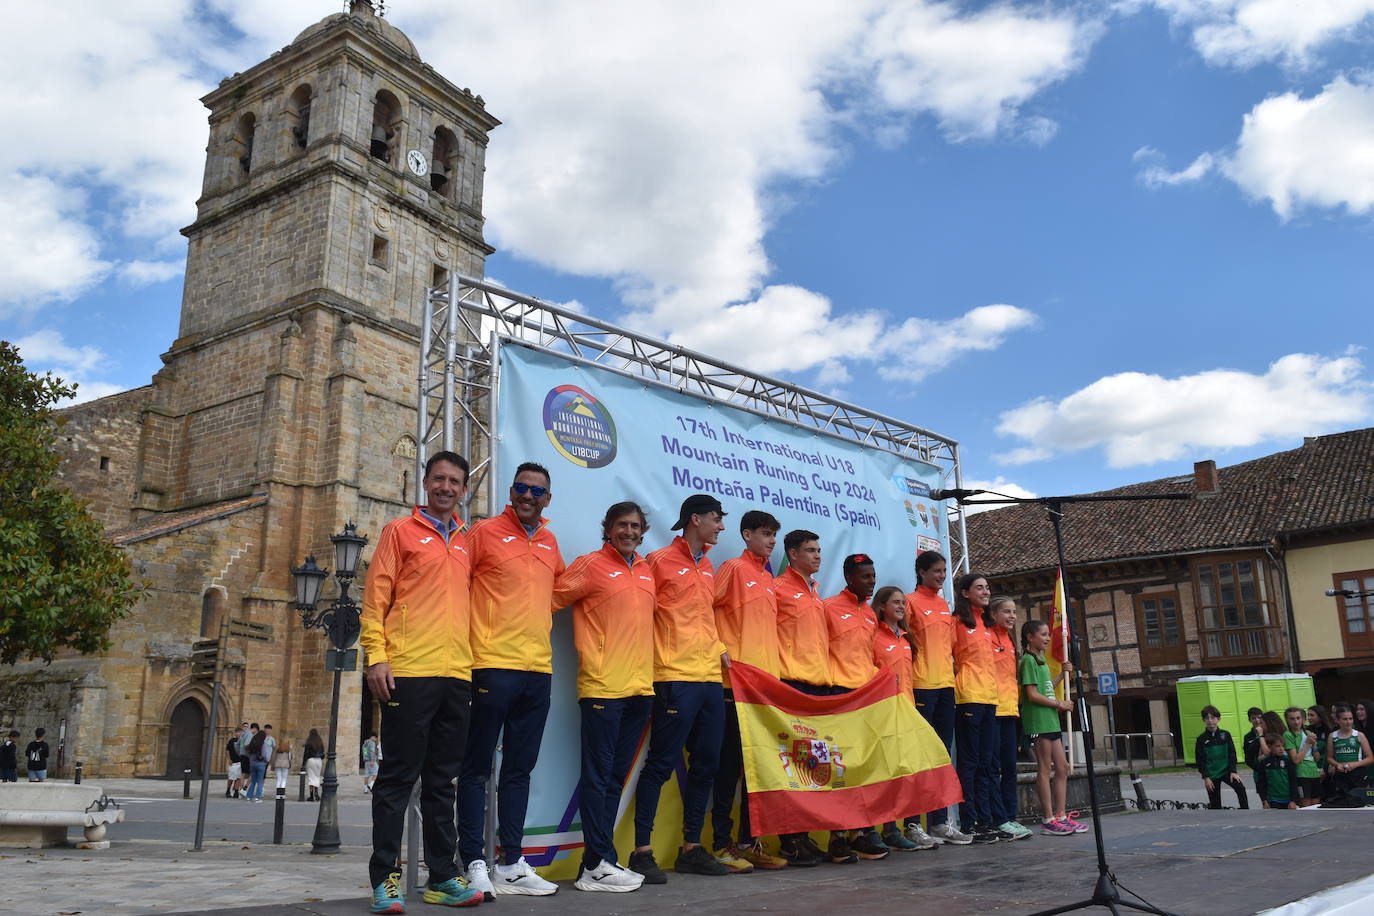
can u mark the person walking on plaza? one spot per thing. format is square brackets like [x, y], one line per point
[803, 651]
[415, 624]
[372, 761]
[314, 764]
[1215, 753]
[257, 765]
[850, 625]
[611, 592]
[234, 773]
[689, 701]
[281, 762]
[515, 561]
[931, 624]
[9, 757]
[250, 731]
[747, 621]
[1000, 617]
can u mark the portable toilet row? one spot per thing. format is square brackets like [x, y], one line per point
[1232, 695]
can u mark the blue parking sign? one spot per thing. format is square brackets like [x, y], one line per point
[1106, 683]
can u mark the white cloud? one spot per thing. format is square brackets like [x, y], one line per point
[49, 253]
[1138, 418]
[47, 351]
[998, 486]
[1293, 152]
[1243, 33]
[919, 346]
[1153, 173]
[144, 273]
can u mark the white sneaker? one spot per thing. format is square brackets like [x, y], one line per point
[477, 878]
[948, 833]
[923, 840]
[520, 878]
[608, 877]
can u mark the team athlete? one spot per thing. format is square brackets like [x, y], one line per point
[975, 706]
[611, 591]
[689, 701]
[850, 625]
[892, 653]
[415, 622]
[515, 561]
[803, 651]
[1000, 618]
[747, 621]
[931, 625]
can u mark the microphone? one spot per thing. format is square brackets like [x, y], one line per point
[1340, 593]
[954, 494]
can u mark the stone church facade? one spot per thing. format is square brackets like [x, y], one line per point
[343, 178]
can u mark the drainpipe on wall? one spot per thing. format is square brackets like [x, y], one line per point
[1281, 563]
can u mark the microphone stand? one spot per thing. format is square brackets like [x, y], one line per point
[1107, 891]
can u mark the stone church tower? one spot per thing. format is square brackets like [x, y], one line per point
[343, 177]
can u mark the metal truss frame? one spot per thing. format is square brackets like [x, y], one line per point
[465, 322]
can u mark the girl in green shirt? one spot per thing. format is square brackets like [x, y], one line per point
[1347, 752]
[1301, 745]
[1040, 711]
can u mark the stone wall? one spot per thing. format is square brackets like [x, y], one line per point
[98, 442]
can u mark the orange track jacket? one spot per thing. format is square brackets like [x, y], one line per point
[850, 624]
[803, 641]
[613, 622]
[747, 613]
[512, 593]
[975, 677]
[932, 626]
[892, 652]
[686, 646]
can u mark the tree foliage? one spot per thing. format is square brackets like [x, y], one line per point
[62, 583]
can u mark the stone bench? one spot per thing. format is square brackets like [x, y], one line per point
[39, 813]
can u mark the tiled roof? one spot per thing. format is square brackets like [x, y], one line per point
[1327, 482]
[167, 522]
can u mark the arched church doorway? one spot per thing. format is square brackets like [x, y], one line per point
[184, 738]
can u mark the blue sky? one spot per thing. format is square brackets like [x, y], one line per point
[1093, 242]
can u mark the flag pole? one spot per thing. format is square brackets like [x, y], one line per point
[1061, 601]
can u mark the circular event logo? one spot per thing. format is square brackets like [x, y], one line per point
[579, 426]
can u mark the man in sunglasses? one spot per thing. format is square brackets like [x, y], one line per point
[515, 560]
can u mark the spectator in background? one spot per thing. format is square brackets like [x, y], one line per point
[36, 754]
[314, 764]
[257, 765]
[234, 777]
[9, 757]
[281, 762]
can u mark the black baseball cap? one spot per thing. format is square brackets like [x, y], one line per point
[697, 504]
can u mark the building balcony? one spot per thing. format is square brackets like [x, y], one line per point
[1242, 647]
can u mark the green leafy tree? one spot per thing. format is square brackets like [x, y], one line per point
[62, 583]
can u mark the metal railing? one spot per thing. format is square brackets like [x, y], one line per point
[1237, 646]
[1145, 741]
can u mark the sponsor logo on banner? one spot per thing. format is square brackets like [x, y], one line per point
[925, 542]
[579, 426]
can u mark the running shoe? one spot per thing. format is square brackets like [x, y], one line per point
[521, 878]
[759, 857]
[1077, 827]
[920, 838]
[608, 877]
[840, 852]
[387, 896]
[948, 833]
[699, 861]
[478, 878]
[983, 834]
[894, 840]
[799, 854]
[1014, 828]
[731, 859]
[1056, 828]
[643, 863]
[451, 893]
[868, 845]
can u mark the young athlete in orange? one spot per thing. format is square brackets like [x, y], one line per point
[1000, 618]
[975, 699]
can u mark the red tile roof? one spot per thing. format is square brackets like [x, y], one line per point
[1327, 483]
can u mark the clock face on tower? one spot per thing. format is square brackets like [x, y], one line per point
[417, 162]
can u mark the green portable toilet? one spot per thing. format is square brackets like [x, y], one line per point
[1301, 691]
[1248, 694]
[1275, 690]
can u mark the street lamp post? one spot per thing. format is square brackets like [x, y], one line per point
[340, 623]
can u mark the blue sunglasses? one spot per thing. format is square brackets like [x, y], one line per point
[523, 488]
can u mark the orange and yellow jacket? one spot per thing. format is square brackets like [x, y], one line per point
[850, 623]
[975, 670]
[892, 652]
[415, 601]
[803, 640]
[1004, 661]
[513, 573]
[932, 625]
[747, 613]
[613, 622]
[686, 646]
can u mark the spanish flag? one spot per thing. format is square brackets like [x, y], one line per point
[1059, 635]
[832, 763]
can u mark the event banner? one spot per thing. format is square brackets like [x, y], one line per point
[607, 437]
[833, 763]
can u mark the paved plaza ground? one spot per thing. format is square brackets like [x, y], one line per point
[1191, 862]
